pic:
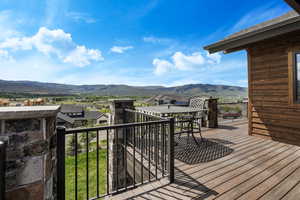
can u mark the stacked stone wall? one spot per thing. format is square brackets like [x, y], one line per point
[30, 157]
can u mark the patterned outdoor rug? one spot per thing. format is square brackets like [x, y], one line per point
[207, 150]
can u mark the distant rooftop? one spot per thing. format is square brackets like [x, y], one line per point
[69, 108]
[63, 117]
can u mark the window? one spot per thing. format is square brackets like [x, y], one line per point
[297, 77]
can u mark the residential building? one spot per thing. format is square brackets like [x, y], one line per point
[75, 116]
[273, 74]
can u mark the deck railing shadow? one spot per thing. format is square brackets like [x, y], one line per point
[189, 152]
[190, 187]
[194, 188]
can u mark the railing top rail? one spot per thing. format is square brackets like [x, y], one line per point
[99, 128]
[146, 114]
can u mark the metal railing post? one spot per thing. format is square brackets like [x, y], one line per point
[61, 138]
[2, 169]
[171, 166]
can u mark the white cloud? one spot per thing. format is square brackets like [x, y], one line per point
[157, 40]
[119, 49]
[161, 66]
[79, 16]
[82, 56]
[214, 58]
[54, 42]
[5, 57]
[34, 68]
[183, 62]
[186, 62]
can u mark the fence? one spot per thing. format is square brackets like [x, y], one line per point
[2, 169]
[148, 140]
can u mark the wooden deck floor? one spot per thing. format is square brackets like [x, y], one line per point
[256, 169]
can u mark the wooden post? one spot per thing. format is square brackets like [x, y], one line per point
[212, 113]
[171, 166]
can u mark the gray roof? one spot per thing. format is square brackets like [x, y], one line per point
[70, 108]
[66, 118]
[91, 115]
[284, 24]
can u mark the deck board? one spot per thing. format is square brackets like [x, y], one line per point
[293, 194]
[256, 169]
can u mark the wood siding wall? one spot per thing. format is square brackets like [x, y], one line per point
[271, 114]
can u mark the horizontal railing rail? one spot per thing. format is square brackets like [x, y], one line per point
[2, 169]
[143, 147]
[77, 130]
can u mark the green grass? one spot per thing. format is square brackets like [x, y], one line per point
[70, 175]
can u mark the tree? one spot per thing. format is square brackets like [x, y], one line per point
[71, 146]
[91, 136]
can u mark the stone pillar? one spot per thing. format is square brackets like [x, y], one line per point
[29, 133]
[212, 113]
[117, 159]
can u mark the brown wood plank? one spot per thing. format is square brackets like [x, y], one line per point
[293, 194]
[239, 151]
[240, 144]
[262, 188]
[257, 168]
[228, 160]
[213, 176]
[243, 183]
[283, 187]
[227, 174]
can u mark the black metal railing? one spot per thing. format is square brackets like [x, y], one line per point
[2, 169]
[145, 148]
[152, 143]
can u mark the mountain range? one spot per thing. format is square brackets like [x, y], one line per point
[32, 87]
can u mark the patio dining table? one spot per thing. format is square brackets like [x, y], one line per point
[171, 110]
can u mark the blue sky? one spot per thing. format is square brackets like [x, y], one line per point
[134, 42]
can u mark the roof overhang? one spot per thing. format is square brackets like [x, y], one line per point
[295, 4]
[240, 42]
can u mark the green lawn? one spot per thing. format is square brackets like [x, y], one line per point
[70, 175]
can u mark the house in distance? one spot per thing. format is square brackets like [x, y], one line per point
[168, 99]
[72, 116]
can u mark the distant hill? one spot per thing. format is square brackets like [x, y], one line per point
[32, 87]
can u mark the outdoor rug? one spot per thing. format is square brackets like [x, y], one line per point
[208, 150]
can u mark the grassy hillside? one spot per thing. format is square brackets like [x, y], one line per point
[119, 90]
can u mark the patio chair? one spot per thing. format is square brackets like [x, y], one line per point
[198, 103]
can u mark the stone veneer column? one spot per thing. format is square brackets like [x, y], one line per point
[31, 151]
[116, 151]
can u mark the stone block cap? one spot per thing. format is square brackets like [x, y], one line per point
[22, 112]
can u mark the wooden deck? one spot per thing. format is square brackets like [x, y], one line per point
[255, 169]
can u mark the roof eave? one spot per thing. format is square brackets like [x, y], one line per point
[239, 43]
